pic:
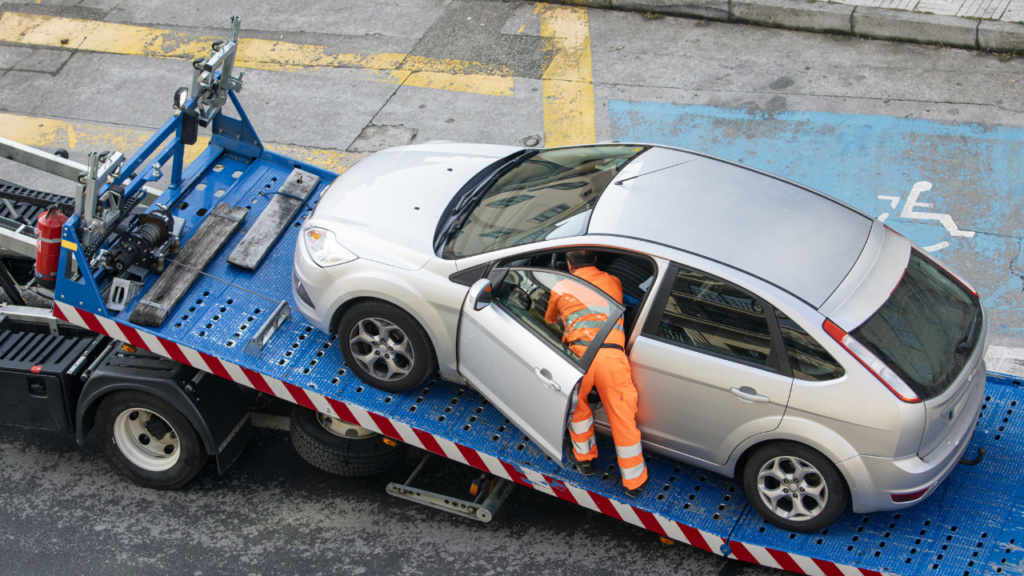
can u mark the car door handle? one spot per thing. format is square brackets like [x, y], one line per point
[544, 376]
[748, 394]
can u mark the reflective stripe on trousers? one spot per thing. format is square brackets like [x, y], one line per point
[610, 374]
[582, 426]
[634, 472]
[583, 448]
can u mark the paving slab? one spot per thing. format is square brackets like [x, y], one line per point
[915, 27]
[402, 18]
[814, 17]
[43, 60]
[455, 116]
[1001, 36]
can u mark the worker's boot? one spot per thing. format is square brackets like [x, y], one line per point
[586, 468]
[638, 491]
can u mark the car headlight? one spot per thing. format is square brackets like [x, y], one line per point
[324, 248]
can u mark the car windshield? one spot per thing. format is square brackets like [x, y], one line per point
[549, 195]
[925, 332]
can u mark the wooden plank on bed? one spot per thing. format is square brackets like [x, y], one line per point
[278, 214]
[175, 281]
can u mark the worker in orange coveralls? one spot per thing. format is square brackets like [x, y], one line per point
[609, 372]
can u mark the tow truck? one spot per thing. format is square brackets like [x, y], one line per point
[172, 385]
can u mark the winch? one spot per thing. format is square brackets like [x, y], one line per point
[149, 238]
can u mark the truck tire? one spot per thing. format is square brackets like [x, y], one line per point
[340, 448]
[385, 346]
[148, 441]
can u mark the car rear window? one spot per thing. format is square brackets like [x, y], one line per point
[926, 330]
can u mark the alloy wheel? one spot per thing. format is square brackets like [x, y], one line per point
[792, 488]
[381, 348]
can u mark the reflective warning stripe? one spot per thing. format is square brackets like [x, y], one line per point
[596, 311]
[628, 451]
[582, 426]
[586, 446]
[633, 471]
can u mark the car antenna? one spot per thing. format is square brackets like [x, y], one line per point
[619, 183]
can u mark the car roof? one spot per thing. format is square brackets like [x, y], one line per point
[791, 236]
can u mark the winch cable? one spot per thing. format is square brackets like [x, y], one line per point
[196, 270]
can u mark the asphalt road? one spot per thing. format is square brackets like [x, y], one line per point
[334, 81]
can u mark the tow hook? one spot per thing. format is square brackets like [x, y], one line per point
[974, 461]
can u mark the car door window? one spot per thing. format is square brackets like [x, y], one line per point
[807, 358]
[534, 297]
[713, 316]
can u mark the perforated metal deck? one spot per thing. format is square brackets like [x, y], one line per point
[969, 527]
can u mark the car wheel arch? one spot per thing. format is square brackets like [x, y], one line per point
[743, 452]
[349, 304]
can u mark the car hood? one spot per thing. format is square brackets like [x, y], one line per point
[386, 207]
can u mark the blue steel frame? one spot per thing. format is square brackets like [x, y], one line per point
[232, 136]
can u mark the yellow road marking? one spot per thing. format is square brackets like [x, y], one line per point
[125, 39]
[89, 136]
[568, 83]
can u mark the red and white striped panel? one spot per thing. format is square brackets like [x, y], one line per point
[448, 449]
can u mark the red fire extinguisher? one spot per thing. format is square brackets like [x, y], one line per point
[48, 233]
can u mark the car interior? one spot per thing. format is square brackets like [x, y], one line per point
[635, 272]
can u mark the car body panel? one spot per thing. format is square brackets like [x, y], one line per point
[508, 365]
[799, 240]
[872, 279]
[666, 374]
[386, 207]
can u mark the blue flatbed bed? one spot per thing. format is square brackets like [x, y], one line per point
[970, 526]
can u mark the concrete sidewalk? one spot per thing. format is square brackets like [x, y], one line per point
[992, 25]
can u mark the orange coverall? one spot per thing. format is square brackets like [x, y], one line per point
[609, 371]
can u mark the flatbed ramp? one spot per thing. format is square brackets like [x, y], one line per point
[970, 526]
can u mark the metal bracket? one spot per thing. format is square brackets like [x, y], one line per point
[282, 314]
[482, 508]
[213, 78]
[122, 290]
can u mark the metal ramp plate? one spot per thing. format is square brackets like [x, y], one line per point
[974, 525]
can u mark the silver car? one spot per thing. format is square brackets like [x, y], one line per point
[775, 333]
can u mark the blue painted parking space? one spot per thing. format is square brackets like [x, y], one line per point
[952, 188]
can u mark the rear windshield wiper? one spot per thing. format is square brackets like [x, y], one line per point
[968, 342]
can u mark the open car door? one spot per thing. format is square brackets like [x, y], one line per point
[517, 359]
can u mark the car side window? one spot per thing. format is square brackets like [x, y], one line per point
[714, 316]
[560, 309]
[807, 358]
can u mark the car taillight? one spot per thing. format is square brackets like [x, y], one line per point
[885, 375]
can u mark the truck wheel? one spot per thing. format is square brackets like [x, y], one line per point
[148, 441]
[794, 487]
[385, 347]
[341, 448]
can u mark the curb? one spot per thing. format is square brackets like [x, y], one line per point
[826, 17]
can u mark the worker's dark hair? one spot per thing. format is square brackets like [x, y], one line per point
[581, 258]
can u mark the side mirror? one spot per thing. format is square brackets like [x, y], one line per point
[480, 294]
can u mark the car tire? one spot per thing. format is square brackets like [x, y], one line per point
[400, 358]
[340, 448]
[766, 475]
[148, 440]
